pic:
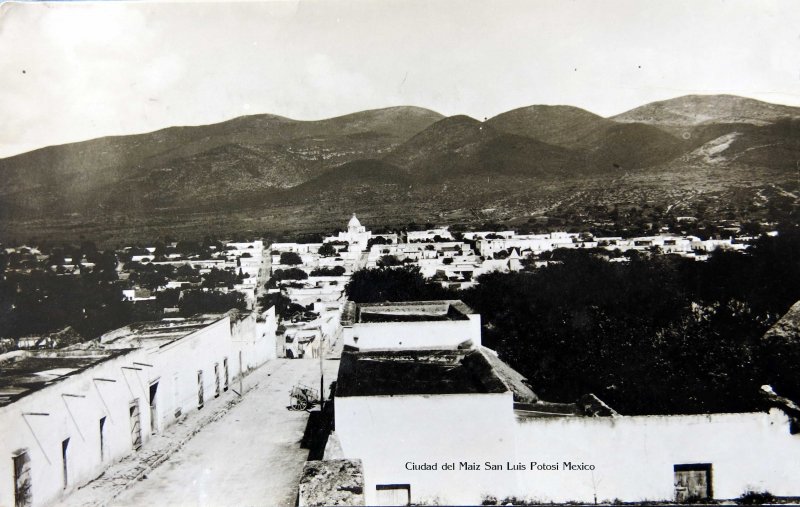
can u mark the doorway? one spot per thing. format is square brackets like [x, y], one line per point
[154, 407]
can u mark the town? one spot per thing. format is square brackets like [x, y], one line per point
[218, 327]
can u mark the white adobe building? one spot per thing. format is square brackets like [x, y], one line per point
[67, 414]
[459, 426]
[447, 324]
[356, 234]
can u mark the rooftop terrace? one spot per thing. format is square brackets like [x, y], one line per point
[410, 311]
[158, 333]
[24, 372]
[415, 372]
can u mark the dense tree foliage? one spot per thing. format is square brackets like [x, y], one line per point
[393, 284]
[284, 307]
[326, 271]
[42, 302]
[200, 301]
[290, 258]
[327, 250]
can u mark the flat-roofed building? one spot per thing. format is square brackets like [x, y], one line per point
[66, 415]
[444, 324]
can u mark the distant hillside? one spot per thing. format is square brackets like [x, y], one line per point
[719, 155]
[604, 144]
[459, 146]
[560, 125]
[179, 165]
[692, 110]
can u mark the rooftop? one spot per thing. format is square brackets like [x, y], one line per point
[160, 332]
[788, 327]
[412, 311]
[24, 372]
[415, 372]
[332, 482]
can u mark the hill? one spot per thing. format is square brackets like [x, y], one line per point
[184, 165]
[679, 113]
[716, 157]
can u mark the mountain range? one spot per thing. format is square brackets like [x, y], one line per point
[267, 172]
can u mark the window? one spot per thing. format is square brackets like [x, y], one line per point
[225, 371]
[393, 494]
[200, 394]
[216, 380]
[692, 482]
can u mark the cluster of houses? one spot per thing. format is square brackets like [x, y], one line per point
[242, 259]
[425, 415]
[69, 413]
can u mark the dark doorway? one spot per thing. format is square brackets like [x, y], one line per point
[64, 462]
[153, 407]
[102, 438]
[693, 482]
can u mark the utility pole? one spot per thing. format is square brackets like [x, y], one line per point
[321, 375]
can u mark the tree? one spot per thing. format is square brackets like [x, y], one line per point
[388, 260]
[334, 271]
[393, 284]
[199, 301]
[290, 258]
[326, 250]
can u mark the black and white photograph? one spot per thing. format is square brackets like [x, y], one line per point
[301, 253]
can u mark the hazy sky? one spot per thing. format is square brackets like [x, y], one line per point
[75, 71]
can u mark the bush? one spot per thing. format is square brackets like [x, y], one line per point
[334, 271]
[327, 250]
[755, 498]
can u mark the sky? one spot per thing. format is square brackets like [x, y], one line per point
[71, 71]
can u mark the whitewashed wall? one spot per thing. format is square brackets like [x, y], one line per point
[386, 432]
[77, 419]
[414, 335]
[634, 456]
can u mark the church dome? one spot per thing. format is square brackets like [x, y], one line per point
[354, 222]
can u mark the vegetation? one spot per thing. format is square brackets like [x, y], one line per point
[284, 308]
[334, 271]
[392, 284]
[199, 301]
[290, 258]
[326, 250]
[652, 336]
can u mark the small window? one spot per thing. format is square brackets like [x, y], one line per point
[227, 375]
[393, 494]
[692, 482]
[200, 394]
[216, 380]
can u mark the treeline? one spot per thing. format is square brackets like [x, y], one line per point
[655, 335]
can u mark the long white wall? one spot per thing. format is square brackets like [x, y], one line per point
[176, 366]
[387, 432]
[413, 335]
[632, 457]
[77, 418]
